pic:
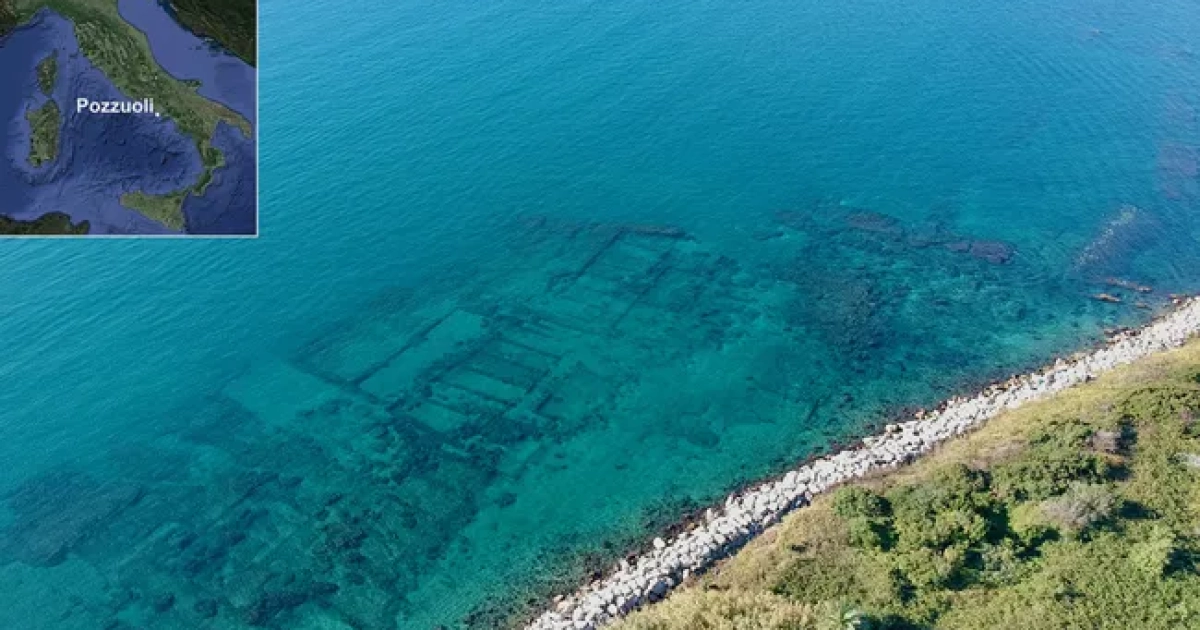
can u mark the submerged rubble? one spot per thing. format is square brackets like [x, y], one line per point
[59, 510]
[649, 577]
[434, 431]
[1122, 238]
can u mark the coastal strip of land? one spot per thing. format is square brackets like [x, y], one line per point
[650, 576]
[1078, 511]
[49, 224]
[231, 23]
[8, 17]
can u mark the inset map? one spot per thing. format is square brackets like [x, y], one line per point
[128, 117]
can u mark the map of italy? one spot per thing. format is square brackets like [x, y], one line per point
[129, 117]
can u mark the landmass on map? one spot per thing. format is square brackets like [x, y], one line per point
[49, 223]
[8, 17]
[130, 117]
[232, 23]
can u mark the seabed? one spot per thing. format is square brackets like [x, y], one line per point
[461, 448]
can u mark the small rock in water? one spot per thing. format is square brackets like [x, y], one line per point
[875, 222]
[1128, 284]
[206, 608]
[164, 602]
[994, 252]
[56, 511]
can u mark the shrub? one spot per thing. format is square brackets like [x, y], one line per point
[958, 528]
[929, 570]
[960, 487]
[1029, 525]
[857, 502]
[1161, 402]
[1059, 434]
[1000, 564]
[951, 509]
[841, 616]
[1047, 470]
[1080, 507]
[1153, 556]
[868, 533]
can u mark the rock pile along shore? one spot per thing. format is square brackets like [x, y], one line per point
[649, 577]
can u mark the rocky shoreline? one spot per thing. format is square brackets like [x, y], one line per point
[722, 531]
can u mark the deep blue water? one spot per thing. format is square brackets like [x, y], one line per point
[450, 372]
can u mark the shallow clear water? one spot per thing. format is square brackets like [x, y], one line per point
[458, 366]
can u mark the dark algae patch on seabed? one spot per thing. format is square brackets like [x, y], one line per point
[1081, 511]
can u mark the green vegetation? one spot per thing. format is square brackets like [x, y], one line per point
[122, 53]
[166, 209]
[52, 223]
[1078, 512]
[232, 23]
[212, 159]
[47, 73]
[8, 17]
[44, 123]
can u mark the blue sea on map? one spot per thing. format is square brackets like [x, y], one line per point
[535, 280]
[103, 157]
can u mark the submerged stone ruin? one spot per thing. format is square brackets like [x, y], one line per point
[453, 451]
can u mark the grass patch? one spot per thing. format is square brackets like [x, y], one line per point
[728, 611]
[1082, 511]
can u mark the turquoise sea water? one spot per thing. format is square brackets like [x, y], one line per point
[459, 371]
